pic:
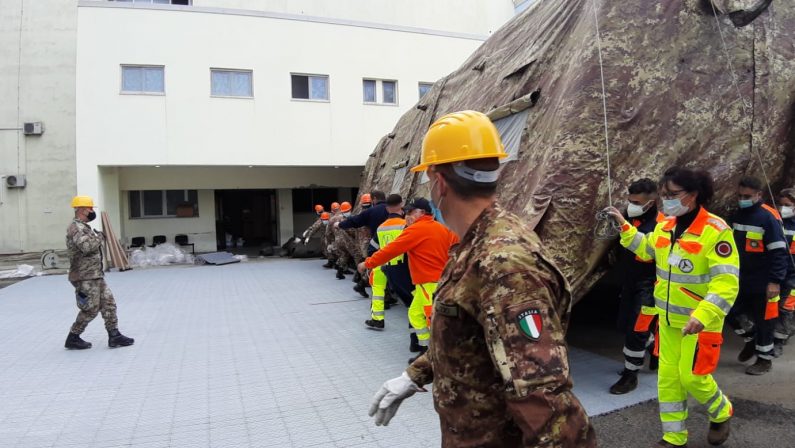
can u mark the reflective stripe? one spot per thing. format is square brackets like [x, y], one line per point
[388, 228]
[686, 278]
[764, 348]
[378, 313]
[714, 398]
[634, 354]
[636, 241]
[673, 426]
[719, 301]
[631, 367]
[745, 228]
[724, 269]
[766, 357]
[777, 245]
[673, 406]
[374, 244]
[718, 223]
[723, 403]
[422, 342]
[789, 232]
[421, 331]
[650, 250]
[674, 309]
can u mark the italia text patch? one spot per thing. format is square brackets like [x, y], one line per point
[530, 323]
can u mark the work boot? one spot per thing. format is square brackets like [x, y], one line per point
[627, 383]
[347, 271]
[74, 342]
[760, 367]
[654, 362]
[778, 347]
[329, 264]
[340, 274]
[718, 432]
[374, 324]
[116, 339]
[415, 346]
[422, 351]
[357, 277]
[747, 352]
[667, 444]
[361, 290]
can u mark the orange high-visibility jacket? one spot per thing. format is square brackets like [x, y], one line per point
[427, 242]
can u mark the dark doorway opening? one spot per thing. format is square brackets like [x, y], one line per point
[246, 218]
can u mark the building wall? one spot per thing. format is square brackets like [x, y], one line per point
[466, 16]
[37, 79]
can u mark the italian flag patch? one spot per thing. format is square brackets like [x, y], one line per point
[530, 323]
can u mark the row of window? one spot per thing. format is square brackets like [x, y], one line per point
[150, 79]
[163, 203]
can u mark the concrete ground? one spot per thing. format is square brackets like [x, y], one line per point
[273, 353]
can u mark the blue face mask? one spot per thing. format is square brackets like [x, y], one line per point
[745, 203]
[674, 207]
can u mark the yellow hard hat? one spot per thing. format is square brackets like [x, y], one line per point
[82, 201]
[460, 136]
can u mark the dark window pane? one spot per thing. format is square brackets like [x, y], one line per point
[180, 2]
[173, 199]
[135, 204]
[153, 203]
[300, 86]
[193, 199]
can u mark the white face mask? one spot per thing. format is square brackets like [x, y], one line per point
[346, 214]
[674, 207]
[787, 211]
[633, 210]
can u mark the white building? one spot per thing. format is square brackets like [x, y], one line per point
[209, 117]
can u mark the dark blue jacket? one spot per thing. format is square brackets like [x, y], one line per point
[789, 236]
[760, 242]
[370, 218]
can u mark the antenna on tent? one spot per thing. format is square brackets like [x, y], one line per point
[606, 227]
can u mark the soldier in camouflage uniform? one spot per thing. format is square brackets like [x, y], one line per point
[497, 359]
[344, 244]
[85, 273]
[316, 227]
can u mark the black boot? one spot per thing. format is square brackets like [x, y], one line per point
[423, 349]
[414, 346]
[361, 290]
[718, 432]
[747, 352]
[374, 324]
[340, 274]
[116, 339]
[357, 277]
[760, 367]
[74, 342]
[329, 264]
[627, 383]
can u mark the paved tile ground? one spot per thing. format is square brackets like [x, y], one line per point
[255, 354]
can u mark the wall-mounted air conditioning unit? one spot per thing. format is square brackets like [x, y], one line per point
[34, 128]
[15, 181]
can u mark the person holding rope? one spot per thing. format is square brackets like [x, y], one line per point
[783, 328]
[698, 272]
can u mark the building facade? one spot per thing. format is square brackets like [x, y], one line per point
[216, 119]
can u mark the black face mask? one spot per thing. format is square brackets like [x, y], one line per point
[91, 216]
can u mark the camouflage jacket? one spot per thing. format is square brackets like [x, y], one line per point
[497, 359]
[84, 245]
[330, 227]
[316, 227]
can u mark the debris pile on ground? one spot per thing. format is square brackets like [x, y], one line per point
[219, 258]
[160, 255]
[670, 99]
[22, 271]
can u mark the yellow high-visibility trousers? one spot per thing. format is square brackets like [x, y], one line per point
[378, 283]
[676, 379]
[420, 311]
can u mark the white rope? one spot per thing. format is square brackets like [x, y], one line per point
[606, 227]
[747, 107]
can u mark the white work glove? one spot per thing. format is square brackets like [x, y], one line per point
[387, 400]
[304, 235]
[297, 240]
[306, 241]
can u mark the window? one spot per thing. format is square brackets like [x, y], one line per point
[158, 2]
[376, 91]
[146, 79]
[234, 83]
[425, 87]
[164, 203]
[310, 87]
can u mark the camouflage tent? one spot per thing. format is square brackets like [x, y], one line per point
[671, 98]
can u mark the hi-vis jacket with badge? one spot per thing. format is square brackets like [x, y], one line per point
[697, 276]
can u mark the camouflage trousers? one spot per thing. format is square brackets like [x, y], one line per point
[345, 249]
[93, 297]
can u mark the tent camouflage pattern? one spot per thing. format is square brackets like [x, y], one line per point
[671, 99]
